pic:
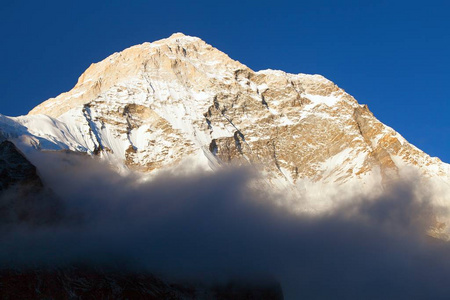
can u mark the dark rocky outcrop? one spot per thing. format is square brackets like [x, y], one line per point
[23, 197]
[76, 283]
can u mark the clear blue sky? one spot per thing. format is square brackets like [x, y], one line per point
[392, 55]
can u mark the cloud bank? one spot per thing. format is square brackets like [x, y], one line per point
[214, 226]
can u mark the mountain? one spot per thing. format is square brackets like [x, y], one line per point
[180, 105]
[156, 105]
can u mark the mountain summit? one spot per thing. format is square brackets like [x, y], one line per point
[156, 105]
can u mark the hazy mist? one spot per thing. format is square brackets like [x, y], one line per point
[214, 226]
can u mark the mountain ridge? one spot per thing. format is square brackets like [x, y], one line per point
[155, 105]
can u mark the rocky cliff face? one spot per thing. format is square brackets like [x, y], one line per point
[155, 105]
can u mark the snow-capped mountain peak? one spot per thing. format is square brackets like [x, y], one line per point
[156, 105]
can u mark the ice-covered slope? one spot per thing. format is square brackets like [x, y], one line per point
[155, 105]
